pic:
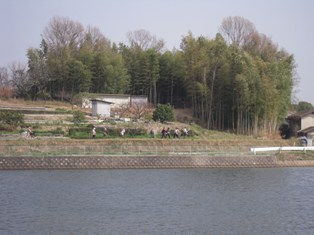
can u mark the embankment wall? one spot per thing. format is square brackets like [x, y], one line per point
[146, 162]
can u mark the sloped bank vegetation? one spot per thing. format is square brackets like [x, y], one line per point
[74, 137]
[79, 127]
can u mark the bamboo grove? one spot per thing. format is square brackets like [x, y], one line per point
[238, 81]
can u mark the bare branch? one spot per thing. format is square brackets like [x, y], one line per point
[19, 79]
[139, 110]
[237, 30]
[62, 32]
[96, 38]
[142, 39]
[4, 77]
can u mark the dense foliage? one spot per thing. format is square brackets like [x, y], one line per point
[238, 81]
[303, 106]
[163, 112]
[10, 119]
[78, 116]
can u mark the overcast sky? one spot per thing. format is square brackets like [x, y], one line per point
[289, 23]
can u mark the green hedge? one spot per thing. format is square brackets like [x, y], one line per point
[56, 132]
[86, 132]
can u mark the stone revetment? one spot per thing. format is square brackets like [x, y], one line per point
[147, 162]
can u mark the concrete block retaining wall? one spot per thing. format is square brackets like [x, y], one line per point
[138, 162]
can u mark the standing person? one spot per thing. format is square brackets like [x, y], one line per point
[152, 134]
[176, 133]
[122, 132]
[105, 131]
[94, 132]
[168, 133]
[184, 132]
[163, 133]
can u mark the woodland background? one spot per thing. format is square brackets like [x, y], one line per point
[239, 81]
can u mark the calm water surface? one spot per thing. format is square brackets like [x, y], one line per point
[172, 201]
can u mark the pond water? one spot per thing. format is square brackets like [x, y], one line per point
[159, 201]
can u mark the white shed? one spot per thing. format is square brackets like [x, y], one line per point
[100, 107]
[116, 100]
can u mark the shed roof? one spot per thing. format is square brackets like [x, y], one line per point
[301, 114]
[102, 95]
[101, 101]
[307, 130]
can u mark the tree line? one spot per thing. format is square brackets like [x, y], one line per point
[240, 80]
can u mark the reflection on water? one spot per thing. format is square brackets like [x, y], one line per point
[172, 201]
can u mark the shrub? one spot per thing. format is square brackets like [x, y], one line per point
[62, 111]
[163, 112]
[7, 128]
[57, 131]
[78, 116]
[44, 95]
[11, 118]
[149, 116]
[75, 131]
[135, 132]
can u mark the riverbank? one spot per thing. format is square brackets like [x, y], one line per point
[205, 148]
[65, 153]
[93, 147]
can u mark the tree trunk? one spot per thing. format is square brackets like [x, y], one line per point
[211, 97]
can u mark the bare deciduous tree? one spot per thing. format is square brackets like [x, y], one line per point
[237, 30]
[62, 32]
[19, 79]
[142, 39]
[136, 110]
[261, 44]
[139, 110]
[96, 38]
[4, 77]
[5, 88]
[122, 110]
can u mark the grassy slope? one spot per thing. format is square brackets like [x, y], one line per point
[203, 137]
